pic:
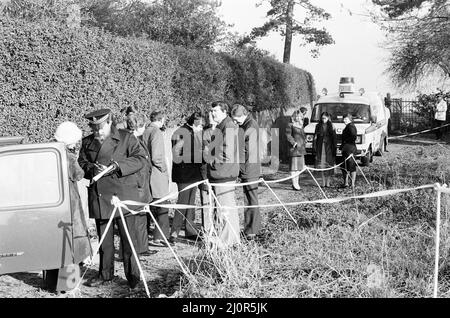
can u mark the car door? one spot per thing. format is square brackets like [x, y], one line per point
[35, 218]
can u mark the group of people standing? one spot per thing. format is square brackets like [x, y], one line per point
[221, 147]
[324, 148]
[131, 159]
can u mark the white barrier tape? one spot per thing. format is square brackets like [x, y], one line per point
[124, 224]
[279, 200]
[235, 184]
[121, 205]
[171, 195]
[320, 201]
[182, 266]
[438, 227]
[361, 172]
[323, 192]
[97, 250]
[444, 189]
[285, 179]
[337, 200]
[418, 133]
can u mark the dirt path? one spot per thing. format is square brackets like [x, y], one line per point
[161, 269]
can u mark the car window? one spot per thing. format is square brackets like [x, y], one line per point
[30, 178]
[359, 112]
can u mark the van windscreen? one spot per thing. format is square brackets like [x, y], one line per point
[359, 112]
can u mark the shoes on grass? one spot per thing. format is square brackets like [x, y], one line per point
[160, 243]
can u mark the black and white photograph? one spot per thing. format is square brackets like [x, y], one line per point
[218, 155]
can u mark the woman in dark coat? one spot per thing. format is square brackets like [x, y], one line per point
[348, 147]
[296, 139]
[325, 147]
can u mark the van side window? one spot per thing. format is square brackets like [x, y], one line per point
[30, 178]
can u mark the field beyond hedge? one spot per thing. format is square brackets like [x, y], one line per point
[50, 73]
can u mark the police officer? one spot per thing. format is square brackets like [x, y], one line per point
[109, 146]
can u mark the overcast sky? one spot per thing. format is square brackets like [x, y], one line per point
[357, 52]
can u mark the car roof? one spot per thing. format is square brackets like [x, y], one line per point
[6, 141]
[347, 99]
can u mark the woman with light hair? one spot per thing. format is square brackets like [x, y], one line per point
[296, 138]
[69, 134]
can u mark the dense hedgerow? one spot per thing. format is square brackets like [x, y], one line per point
[50, 73]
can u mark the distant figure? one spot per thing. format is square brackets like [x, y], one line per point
[388, 100]
[440, 116]
[348, 148]
[296, 139]
[250, 167]
[126, 113]
[324, 146]
[304, 112]
[388, 117]
[388, 104]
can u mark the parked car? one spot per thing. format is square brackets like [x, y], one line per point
[35, 216]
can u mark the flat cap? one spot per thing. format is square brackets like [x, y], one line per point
[98, 116]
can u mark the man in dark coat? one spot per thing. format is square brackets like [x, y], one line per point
[186, 169]
[250, 167]
[108, 146]
[223, 167]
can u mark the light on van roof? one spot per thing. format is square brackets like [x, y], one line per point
[324, 92]
[361, 91]
[347, 80]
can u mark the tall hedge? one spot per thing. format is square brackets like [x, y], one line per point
[50, 73]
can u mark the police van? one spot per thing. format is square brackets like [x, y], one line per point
[370, 117]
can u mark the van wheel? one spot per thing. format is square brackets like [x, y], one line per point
[367, 159]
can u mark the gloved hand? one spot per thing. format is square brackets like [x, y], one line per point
[98, 167]
[115, 168]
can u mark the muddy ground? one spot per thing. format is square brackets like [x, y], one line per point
[161, 269]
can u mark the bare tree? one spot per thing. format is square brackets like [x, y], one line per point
[419, 39]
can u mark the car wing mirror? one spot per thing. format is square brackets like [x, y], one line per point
[373, 119]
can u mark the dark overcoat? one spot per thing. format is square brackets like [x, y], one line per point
[144, 174]
[187, 155]
[123, 147]
[328, 138]
[349, 135]
[249, 155]
[223, 152]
